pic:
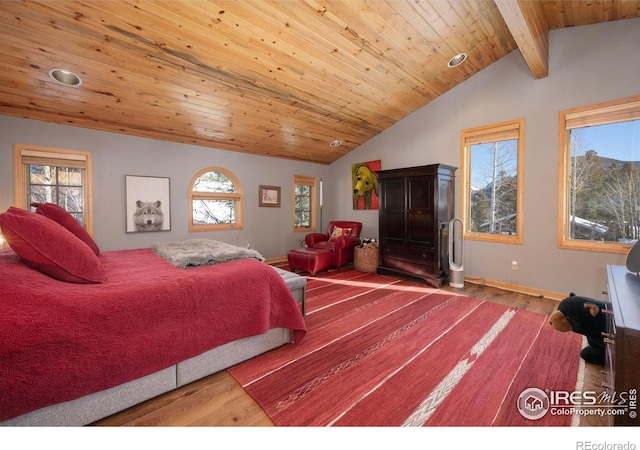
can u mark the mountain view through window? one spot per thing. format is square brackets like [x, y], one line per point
[605, 182]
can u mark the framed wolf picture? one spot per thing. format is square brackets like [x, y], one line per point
[148, 204]
[364, 177]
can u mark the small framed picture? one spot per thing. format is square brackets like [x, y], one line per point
[147, 203]
[269, 196]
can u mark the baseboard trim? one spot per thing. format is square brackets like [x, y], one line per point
[277, 261]
[540, 293]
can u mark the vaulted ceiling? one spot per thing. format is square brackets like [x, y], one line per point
[281, 78]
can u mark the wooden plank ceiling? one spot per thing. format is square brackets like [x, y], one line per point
[280, 78]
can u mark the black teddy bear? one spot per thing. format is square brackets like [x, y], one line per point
[584, 316]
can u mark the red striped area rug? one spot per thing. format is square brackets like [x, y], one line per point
[386, 352]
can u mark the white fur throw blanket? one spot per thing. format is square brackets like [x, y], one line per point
[201, 252]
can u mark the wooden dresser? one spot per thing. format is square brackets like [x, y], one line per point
[622, 366]
[416, 205]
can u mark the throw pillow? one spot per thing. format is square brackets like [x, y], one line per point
[49, 248]
[337, 232]
[61, 216]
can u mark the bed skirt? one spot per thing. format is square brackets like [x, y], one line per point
[90, 408]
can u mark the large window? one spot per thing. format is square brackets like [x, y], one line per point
[51, 175]
[304, 194]
[216, 200]
[599, 178]
[492, 182]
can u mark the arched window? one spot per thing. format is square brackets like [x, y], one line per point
[215, 199]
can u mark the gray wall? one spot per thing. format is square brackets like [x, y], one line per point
[588, 64]
[268, 230]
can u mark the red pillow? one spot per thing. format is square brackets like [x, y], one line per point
[49, 248]
[61, 216]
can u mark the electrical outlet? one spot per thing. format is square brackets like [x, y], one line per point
[514, 265]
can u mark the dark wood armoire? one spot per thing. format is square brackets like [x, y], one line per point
[416, 205]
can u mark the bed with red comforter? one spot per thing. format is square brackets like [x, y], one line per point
[60, 340]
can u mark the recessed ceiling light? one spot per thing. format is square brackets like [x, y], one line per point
[457, 60]
[65, 77]
[336, 143]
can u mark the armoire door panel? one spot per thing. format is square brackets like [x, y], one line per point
[420, 229]
[420, 193]
[393, 230]
[393, 196]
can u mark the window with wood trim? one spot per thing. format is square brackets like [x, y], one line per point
[304, 201]
[216, 201]
[599, 176]
[492, 182]
[53, 175]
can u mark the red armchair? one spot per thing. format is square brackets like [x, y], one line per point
[346, 238]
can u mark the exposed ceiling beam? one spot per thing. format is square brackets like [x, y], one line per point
[529, 28]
